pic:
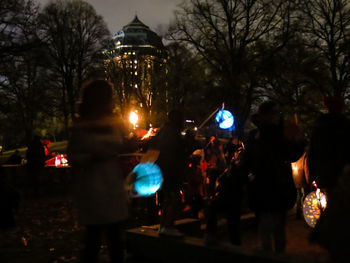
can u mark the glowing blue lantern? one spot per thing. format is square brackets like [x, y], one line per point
[225, 119]
[148, 178]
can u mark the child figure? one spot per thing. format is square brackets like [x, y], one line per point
[195, 185]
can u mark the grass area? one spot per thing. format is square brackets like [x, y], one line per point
[47, 228]
[53, 236]
[60, 147]
[5, 155]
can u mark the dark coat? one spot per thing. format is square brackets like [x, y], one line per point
[329, 149]
[268, 159]
[35, 155]
[172, 156]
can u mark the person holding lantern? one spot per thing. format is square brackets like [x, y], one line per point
[95, 142]
[329, 145]
[329, 167]
[267, 161]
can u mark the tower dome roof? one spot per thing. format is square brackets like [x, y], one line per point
[137, 33]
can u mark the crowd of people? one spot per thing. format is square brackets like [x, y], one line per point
[214, 175]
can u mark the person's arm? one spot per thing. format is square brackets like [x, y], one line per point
[153, 151]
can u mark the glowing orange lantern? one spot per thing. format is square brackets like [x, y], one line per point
[314, 204]
[61, 160]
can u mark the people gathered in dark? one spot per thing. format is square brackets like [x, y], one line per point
[207, 181]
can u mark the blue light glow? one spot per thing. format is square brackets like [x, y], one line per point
[225, 119]
[148, 178]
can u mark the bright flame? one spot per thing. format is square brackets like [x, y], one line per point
[133, 118]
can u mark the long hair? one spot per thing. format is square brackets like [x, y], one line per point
[97, 100]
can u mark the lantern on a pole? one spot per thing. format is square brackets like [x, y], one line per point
[225, 119]
[148, 178]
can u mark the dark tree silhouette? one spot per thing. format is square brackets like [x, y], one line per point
[326, 29]
[75, 36]
[23, 70]
[225, 34]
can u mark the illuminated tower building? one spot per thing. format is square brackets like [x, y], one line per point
[136, 64]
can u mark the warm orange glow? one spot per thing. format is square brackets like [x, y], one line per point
[61, 160]
[295, 168]
[133, 118]
[314, 204]
[151, 132]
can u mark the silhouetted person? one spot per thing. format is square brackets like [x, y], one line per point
[191, 144]
[227, 201]
[329, 166]
[172, 162]
[195, 181]
[231, 148]
[271, 189]
[329, 145]
[15, 158]
[215, 158]
[96, 140]
[35, 163]
[46, 144]
[9, 201]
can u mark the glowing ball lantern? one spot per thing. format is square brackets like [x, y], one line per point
[148, 178]
[225, 119]
[314, 203]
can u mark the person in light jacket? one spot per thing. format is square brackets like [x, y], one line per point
[96, 139]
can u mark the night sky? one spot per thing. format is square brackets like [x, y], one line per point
[118, 13]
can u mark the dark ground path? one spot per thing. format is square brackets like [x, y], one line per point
[48, 232]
